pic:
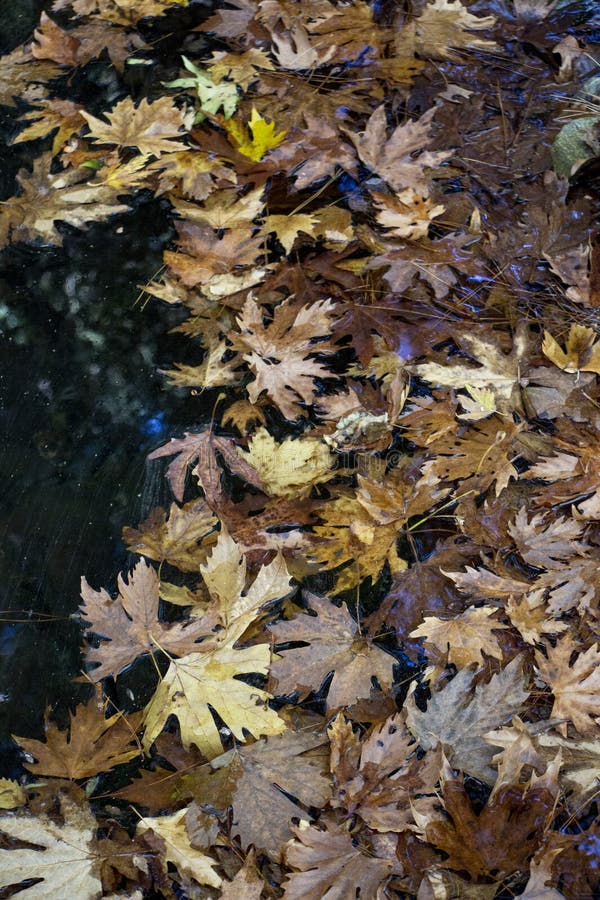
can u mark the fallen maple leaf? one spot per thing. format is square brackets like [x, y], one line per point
[575, 686]
[377, 777]
[547, 543]
[153, 128]
[330, 863]
[183, 539]
[287, 228]
[202, 449]
[235, 605]
[61, 857]
[12, 794]
[262, 136]
[334, 645]
[445, 26]
[581, 353]
[129, 625]
[48, 197]
[401, 158]
[279, 353]
[406, 214]
[224, 209]
[456, 720]
[290, 468]
[48, 115]
[463, 639]
[91, 743]
[199, 682]
[177, 848]
[203, 257]
[267, 784]
[502, 837]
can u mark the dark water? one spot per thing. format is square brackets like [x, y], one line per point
[81, 404]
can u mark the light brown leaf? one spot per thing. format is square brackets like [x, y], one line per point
[576, 686]
[129, 625]
[402, 158]
[464, 638]
[334, 645]
[153, 128]
[329, 864]
[279, 354]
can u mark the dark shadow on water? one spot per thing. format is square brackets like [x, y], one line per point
[81, 405]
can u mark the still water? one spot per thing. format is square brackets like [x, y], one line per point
[81, 405]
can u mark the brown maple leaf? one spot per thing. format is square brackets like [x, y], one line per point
[480, 456]
[502, 838]
[129, 625]
[23, 76]
[463, 639]
[202, 256]
[47, 197]
[202, 449]
[401, 158]
[279, 354]
[445, 26]
[334, 645]
[92, 743]
[435, 262]
[259, 782]
[189, 173]
[377, 777]
[52, 42]
[575, 686]
[48, 115]
[330, 862]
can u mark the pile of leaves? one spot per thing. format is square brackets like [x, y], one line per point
[369, 622]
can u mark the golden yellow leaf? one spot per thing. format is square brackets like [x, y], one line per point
[236, 605]
[11, 794]
[262, 136]
[287, 228]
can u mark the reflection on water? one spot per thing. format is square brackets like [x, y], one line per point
[81, 404]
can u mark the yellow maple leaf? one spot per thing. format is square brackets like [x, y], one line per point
[199, 679]
[178, 849]
[287, 228]
[291, 468]
[263, 137]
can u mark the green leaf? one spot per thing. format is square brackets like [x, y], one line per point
[577, 142]
[212, 96]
